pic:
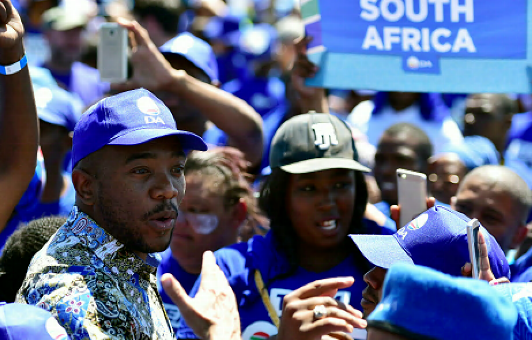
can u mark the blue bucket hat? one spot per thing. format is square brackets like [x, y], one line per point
[129, 118]
[436, 239]
[421, 303]
[195, 50]
[21, 322]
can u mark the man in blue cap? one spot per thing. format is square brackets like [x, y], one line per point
[184, 82]
[421, 303]
[436, 239]
[58, 111]
[96, 275]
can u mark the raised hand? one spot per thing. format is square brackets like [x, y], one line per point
[150, 68]
[311, 98]
[212, 314]
[11, 33]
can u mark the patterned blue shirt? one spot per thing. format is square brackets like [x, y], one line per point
[94, 286]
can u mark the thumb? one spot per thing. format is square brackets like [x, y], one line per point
[176, 292]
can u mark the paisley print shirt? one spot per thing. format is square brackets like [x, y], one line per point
[95, 287]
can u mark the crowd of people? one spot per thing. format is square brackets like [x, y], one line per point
[213, 195]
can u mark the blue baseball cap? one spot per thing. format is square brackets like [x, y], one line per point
[225, 29]
[419, 302]
[57, 106]
[129, 118]
[258, 42]
[436, 239]
[194, 50]
[21, 322]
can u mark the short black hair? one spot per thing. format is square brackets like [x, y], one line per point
[166, 12]
[409, 131]
[19, 250]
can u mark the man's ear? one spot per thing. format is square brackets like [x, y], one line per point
[240, 213]
[519, 237]
[85, 185]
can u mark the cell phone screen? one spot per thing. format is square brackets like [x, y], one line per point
[476, 247]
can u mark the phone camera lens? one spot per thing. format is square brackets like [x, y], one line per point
[111, 32]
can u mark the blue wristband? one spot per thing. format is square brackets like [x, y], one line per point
[14, 68]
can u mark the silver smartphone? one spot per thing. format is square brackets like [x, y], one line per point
[473, 230]
[112, 52]
[412, 193]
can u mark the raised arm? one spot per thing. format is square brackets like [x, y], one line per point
[19, 132]
[223, 109]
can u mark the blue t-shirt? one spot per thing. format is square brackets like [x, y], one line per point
[170, 265]
[28, 202]
[239, 262]
[61, 207]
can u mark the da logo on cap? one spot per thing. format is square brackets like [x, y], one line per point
[260, 330]
[147, 106]
[182, 44]
[418, 222]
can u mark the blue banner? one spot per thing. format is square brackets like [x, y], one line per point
[421, 45]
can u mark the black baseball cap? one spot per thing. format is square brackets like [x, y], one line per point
[314, 142]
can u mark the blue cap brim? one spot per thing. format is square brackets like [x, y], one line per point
[51, 118]
[188, 140]
[381, 250]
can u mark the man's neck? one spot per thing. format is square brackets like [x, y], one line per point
[56, 184]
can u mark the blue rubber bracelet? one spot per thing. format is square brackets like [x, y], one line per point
[14, 68]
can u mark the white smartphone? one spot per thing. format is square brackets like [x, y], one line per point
[412, 193]
[112, 52]
[473, 230]
[359, 334]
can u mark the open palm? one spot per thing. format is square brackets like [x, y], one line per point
[11, 29]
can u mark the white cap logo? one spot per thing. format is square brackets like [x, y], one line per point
[182, 44]
[42, 97]
[325, 135]
[147, 106]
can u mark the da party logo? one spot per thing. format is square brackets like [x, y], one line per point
[259, 330]
[418, 222]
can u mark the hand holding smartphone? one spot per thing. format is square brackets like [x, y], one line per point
[473, 230]
[112, 52]
[412, 193]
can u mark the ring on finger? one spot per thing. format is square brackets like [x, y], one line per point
[320, 311]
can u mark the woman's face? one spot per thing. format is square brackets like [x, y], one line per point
[203, 223]
[321, 205]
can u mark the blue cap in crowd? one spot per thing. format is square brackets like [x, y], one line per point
[129, 118]
[225, 29]
[475, 151]
[194, 50]
[418, 302]
[437, 239]
[21, 322]
[258, 42]
[57, 106]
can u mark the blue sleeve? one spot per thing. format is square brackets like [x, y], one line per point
[231, 260]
